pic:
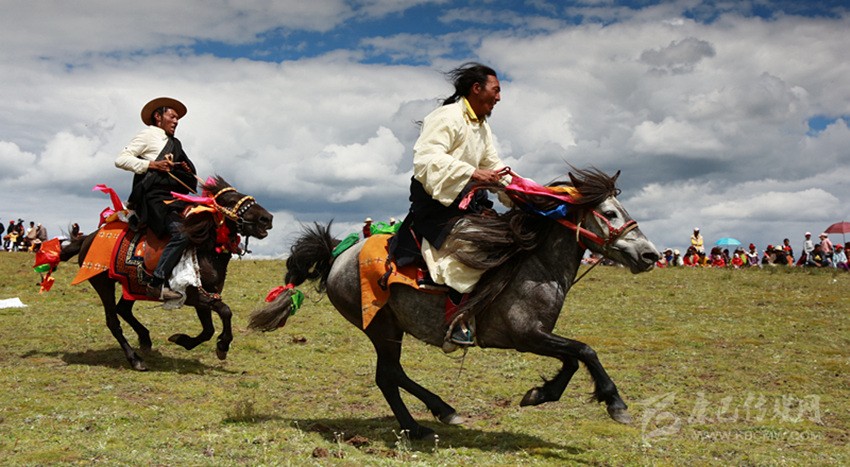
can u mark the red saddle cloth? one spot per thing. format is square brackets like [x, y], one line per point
[127, 255]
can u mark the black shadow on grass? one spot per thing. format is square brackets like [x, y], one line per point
[385, 430]
[113, 358]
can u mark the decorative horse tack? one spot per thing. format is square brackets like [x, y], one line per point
[521, 299]
[206, 298]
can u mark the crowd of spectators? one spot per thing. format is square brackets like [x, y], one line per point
[17, 236]
[821, 254]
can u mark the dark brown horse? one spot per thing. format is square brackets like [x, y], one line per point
[532, 262]
[242, 216]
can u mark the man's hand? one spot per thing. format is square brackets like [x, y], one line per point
[486, 176]
[161, 166]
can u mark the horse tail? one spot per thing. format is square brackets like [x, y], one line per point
[72, 249]
[310, 258]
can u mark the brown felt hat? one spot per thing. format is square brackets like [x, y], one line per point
[148, 109]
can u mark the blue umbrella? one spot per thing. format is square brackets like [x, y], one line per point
[727, 241]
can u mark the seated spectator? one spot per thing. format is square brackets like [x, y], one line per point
[738, 258]
[677, 259]
[753, 256]
[817, 258]
[789, 252]
[769, 256]
[691, 258]
[780, 258]
[717, 259]
[702, 259]
[666, 258]
[839, 258]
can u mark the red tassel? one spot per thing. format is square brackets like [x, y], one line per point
[275, 292]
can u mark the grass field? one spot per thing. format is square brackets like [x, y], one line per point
[744, 367]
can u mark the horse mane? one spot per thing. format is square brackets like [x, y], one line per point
[200, 228]
[505, 241]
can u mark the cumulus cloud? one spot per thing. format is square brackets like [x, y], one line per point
[707, 119]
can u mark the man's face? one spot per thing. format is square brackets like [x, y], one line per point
[168, 121]
[484, 98]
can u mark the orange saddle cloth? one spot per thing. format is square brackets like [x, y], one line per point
[373, 267]
[126, 255]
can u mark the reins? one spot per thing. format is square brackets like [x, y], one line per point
[235, 213]
[614, 233]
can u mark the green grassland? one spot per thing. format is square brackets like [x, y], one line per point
[726, 367]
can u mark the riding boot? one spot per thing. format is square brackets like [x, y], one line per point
[156, 288]
[462, 334]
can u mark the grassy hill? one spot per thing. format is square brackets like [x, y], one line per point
[718, 366]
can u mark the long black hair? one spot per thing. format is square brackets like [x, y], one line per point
[465, 76]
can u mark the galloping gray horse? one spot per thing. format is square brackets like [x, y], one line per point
[516, 303]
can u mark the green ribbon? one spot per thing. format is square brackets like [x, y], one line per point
[297, 298]
[346, 243]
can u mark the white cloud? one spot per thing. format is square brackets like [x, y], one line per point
[706, 120]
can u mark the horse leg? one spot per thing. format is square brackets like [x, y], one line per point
[207, 331]
[125, 311]
[106, 291]
[553, 389]
[568, 351]
[390, 376]
[222, 345]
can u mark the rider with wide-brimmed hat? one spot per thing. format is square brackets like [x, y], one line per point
[161, 167]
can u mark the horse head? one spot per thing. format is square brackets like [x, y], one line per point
[605, 227]
[250, 218]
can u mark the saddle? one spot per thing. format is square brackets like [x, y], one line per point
[378, 271]
[129, 257]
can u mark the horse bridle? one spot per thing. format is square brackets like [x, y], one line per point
[614, 233]
[237, 212]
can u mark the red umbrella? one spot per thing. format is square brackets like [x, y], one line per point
[839, 227]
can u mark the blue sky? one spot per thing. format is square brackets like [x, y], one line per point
[731, 116]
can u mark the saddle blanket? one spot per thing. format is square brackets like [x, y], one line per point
[373, 267]
[131, 256]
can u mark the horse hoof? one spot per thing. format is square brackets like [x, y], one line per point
[532, 397]
[452, 419]
[421, 433]
[222, 355]
[139, 365]
[620, 415]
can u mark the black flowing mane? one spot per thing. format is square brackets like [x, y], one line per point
[503, 237]
[506, 240]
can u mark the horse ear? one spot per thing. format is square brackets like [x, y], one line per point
[573, 179]
[616, 175]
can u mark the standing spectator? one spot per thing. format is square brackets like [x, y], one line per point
[31, 237]
[367, 227]
[697, 241]
[826, 245]
[839, 260]
[7, 239]
[41, 233]
[808, 247]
